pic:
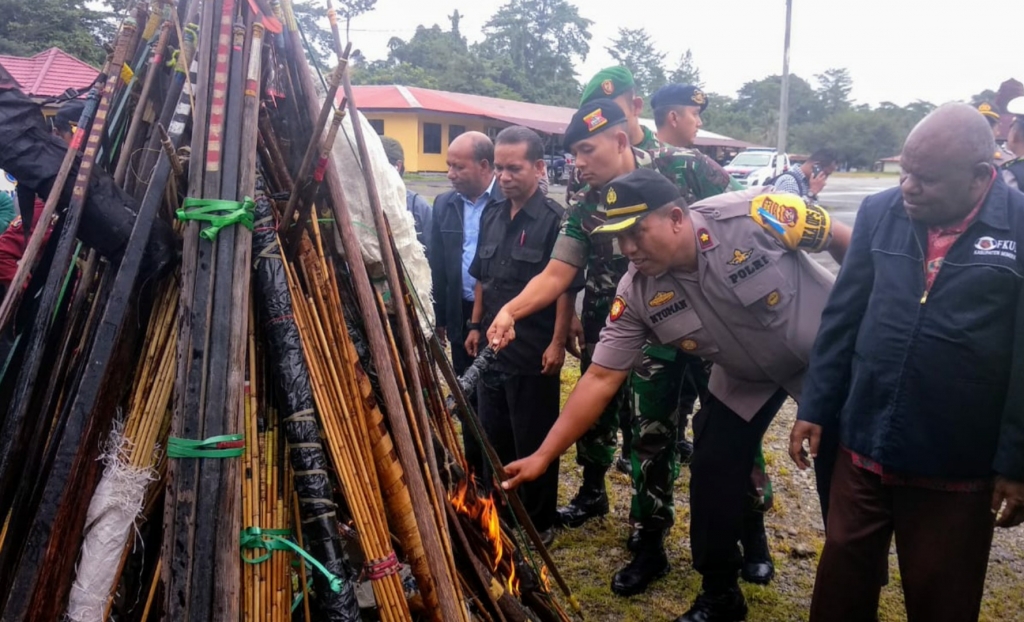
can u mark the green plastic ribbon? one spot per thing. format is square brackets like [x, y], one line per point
[209, 448]
[275, 540]
[218, 213]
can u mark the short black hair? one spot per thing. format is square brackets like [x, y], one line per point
[483, 149]
[661, 114]
[516, 135]
[824, 157]
[681, 203]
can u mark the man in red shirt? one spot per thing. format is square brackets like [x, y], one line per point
[13, 243]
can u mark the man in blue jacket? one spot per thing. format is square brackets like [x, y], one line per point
[920, 357]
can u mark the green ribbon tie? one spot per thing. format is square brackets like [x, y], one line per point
[212, 447]
[218, 213]
[275, 540]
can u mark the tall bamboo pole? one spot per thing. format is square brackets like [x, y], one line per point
[451, 606]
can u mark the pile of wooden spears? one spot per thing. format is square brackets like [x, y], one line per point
[210, 411]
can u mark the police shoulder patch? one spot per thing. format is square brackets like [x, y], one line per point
[618, 308]
[661, 298]
[704, 238]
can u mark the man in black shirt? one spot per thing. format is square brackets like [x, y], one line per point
[518, 403]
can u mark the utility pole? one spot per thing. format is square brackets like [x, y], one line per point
[784, 98]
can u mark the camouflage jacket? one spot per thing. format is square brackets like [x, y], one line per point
[696, 175]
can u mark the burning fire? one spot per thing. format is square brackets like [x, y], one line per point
[544, 577]
[483, 512]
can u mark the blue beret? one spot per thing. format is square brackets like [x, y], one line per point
[679, 95]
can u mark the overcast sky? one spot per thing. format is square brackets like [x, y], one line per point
[896, 50]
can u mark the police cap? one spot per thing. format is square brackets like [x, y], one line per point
[679, 95]
[593, 118]
[608, 83]
[630, 197]
[988, 111]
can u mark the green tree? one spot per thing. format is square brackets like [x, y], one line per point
[435, 59]
[634, 50]
[686, 71]
[533, 45]
[834, 87]
[349, 9]
[30, 27]
[312, 20]
[758, 102]
[988, 95]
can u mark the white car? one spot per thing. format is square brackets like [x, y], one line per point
[754, 167]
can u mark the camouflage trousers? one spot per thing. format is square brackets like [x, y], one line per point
[652, 393]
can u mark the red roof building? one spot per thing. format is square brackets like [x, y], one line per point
[425, 121]
[48, 73]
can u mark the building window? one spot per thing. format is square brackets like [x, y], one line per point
[454, 131]
[492, 132]
[378, 126]
[431, 138]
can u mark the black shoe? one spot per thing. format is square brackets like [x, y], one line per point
[624, 465]
[727, 606]
[685, 449]
[649, 564]
[633, 541]
[757, 558]
[590, 502]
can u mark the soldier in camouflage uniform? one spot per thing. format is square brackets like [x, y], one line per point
[595, 452]
[597, 136]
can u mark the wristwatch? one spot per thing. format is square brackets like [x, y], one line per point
[473, 325]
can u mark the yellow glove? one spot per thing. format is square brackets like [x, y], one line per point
[796, 223]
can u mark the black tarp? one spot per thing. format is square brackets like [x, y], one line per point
[306, 452]
[33, 156]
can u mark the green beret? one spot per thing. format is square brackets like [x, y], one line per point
[593, 118]
[608, 83]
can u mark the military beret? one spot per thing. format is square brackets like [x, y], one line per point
[1016, 106]
[679, 95]
[630, 197]
[593, 118]
[986, 109]
[392, 149]
[608, 83]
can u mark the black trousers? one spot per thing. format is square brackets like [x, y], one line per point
[724, 446]
[517, 411]
[461, 360]
[824, 465]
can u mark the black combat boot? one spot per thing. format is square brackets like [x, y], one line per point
[590, 502]
[757, 559]
[649, 563]
[725, 605]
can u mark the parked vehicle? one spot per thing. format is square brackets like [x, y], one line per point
[558, 167]
[754, 167]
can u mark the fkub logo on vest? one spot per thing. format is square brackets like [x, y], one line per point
[987, 246]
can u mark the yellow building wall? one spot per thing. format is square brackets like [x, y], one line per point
[407, 129]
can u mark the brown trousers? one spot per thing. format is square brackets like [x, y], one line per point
[942, 540]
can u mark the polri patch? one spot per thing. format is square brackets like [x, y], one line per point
[618, 308]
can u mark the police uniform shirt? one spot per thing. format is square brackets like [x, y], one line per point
[752, 307]
[512, 251]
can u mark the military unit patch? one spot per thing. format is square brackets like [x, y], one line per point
[698, 97]
[740, 257]
[608, 87]
[661, 298]
[618, 308]
[595, 120]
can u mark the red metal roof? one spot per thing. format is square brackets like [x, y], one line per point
[393, 98]
[49, 73]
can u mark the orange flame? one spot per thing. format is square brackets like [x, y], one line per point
[544, 578]
[484, 513]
